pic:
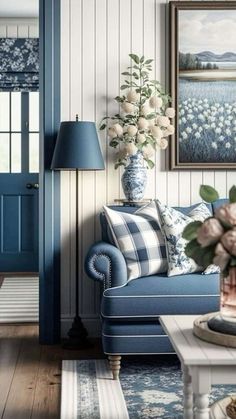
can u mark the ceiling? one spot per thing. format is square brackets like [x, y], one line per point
[19, 8]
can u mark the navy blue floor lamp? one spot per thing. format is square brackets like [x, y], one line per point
[77, 148]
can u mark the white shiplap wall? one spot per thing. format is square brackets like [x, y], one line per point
[96, 38]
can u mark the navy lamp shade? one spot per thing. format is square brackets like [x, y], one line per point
[77, 147]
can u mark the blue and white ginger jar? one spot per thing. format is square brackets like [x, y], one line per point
[134, 178]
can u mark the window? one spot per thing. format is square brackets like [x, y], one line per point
[19, 132]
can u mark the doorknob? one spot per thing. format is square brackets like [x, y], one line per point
[32, 185]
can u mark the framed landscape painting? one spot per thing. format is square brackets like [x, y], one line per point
[203, 84]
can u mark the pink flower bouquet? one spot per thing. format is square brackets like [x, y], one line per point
[214, 240]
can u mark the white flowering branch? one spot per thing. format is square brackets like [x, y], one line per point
[143, 123]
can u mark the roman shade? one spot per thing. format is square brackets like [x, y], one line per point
[19, 64]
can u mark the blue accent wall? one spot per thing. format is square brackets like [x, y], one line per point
[49, 193]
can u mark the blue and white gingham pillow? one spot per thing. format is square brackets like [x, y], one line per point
[139, 238]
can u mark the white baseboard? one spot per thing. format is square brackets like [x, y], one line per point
[93, 326]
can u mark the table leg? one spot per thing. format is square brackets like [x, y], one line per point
[201, 382]
[188, 393]
[202, 406]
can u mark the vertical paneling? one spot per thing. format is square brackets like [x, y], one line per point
[160, 74]
[67, 225]
[23, 31]
[75, 108]
[96, 38]
[19, 28]
[184, 185]
[87, 114]
[100, 101]
[33, 31]
[230, 180]
[3, 30]
[149, 51]
[12, 31]
[221, 183]
[125, 49]
[196, 180]
[113, 79]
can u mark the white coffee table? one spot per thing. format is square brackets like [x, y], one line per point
[203, 364]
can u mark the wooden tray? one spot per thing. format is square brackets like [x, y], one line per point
[202, 331]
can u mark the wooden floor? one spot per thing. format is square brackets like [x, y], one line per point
[30, 374]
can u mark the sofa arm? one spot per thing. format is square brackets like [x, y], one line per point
[105, 263]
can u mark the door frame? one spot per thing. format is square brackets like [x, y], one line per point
[49, 192]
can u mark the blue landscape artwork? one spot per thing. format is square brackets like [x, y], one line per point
[207, 86]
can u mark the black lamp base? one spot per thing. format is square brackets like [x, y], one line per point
[77, 336]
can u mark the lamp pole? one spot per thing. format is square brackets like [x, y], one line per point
[77, 335]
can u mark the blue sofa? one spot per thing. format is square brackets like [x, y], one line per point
[130, 311]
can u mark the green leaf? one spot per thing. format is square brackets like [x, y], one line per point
[203, 256]
[232, 194]
[118, 164]
[155, 82]
[208, 193]
[232, 261]
[119, 99]
[225, 225]
[123, 87]
[114, 143]
[150, 164]
[148, 61]
[142, 59]
[192, 248]
[151, 116]
[207, 256]
[190, 231]
[126, 73]
[135, 58]
[103, 126]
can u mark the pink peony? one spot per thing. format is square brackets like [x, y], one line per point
[227, 213]
[210, 232]
[229, 241]
[222, 257]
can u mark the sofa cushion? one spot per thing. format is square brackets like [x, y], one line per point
[139, 238]
[173, 223]
[149, 297]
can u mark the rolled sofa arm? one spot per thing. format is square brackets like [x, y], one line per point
[105, 263]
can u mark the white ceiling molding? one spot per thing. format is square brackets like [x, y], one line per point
[19, 9]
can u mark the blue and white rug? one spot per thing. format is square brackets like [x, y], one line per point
[149, 388]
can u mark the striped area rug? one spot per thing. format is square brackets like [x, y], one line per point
[89, 392]
[150, 387]
[19, 299]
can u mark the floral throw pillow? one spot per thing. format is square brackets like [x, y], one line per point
[173, 223]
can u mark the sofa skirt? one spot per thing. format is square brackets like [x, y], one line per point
[133, 338]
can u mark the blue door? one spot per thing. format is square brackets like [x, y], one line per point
[19, 167]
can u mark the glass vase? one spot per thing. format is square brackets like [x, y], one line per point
[228, 296]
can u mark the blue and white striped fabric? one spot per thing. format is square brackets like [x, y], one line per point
[139, 238]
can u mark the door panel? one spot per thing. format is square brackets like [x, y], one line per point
[18, 223]
[19, 162]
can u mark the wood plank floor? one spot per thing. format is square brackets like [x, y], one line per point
[30, 374]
